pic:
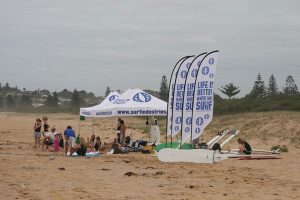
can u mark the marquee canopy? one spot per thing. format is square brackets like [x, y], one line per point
[106, 102]
[133, 102]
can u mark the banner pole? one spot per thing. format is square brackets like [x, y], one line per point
[189, 84]
[205, 78]
[171, 99]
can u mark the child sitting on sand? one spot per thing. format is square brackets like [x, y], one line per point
[97, 145]
[91, 141]
[245, 147]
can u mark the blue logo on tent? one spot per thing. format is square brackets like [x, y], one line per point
[199, 121]
[211, 75]
[178, 120]
[206, 116]
[187, 129]
[113, 97]
[199, 63]
[183, 74]
[188, 121]
[198, 130]
[211, 61]
[188, 65]
[194, 72]
[205, 70]
[142, 97]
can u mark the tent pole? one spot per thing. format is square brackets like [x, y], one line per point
[93, 125]
[166, 140]
[149, 127]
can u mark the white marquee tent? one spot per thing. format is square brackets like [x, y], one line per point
[133, 102]
[88, 112]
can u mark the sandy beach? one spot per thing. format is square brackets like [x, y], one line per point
[26, 173]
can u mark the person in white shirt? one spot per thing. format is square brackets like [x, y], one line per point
[48, 138]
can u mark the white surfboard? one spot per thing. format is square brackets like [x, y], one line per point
[190, 155]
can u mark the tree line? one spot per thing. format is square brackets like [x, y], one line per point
[262, 97]
[260, 90]
[11, 97]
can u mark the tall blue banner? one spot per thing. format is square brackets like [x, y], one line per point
[189, 97]
[179, 94]
[202, 113]
[171, 94]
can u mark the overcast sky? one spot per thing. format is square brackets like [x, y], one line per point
[57, 44]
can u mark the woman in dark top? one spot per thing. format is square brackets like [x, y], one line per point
[37, 133]
[46, 125]
[122, 132]
[245, 147]
[118, 130]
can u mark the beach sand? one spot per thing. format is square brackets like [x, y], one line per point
[26, 173]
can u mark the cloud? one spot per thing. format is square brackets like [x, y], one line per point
[91, 45]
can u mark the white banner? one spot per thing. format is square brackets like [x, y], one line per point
[189, 97]
[204, 94]
[178, 95]
[171, 94]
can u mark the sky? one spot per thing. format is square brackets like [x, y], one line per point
[89, 45]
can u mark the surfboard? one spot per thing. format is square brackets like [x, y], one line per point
[190, 155]
[263, 157]
[174, 145]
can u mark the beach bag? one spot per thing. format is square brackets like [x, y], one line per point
[77, 141]
[203, 146]
[147, 149]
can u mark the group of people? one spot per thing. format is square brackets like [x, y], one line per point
[68, 141]
[50, 138]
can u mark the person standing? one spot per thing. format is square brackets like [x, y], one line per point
[37, 133]
[122, 132]
[70, 136]
[118, 130]
[46, 125]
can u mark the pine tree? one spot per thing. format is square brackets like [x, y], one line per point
[10, 100]
[230, 90]
[164, 90]
[259, 88]
[76, 99]
[272, 88]
[290, 86]
[107, 92]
